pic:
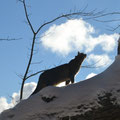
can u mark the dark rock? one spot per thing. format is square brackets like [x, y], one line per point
[45, 99]
[109, 110]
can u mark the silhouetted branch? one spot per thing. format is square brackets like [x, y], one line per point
[79, 13]
[35, 73]
[28, 66]
[109, 20]
[10, 39]
[101, 14]
[32, 49]
[115, 28]
[26, 14]
[106, 21]
[91, 66]
[37, 62]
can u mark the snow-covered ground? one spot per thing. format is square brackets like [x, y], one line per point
[52, 103]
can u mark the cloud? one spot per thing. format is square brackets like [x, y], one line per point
[28, 89]
[91, 75]
[4, 104]
[108, 42]
[99, 60]
[76, 35]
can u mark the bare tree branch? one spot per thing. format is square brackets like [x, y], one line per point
[26, 14]
[28, 66]
[37, 62]
[92, 66]
[32, 49]
[106, 20]
[9, 39]
[20, 76]
[100, 15]
[67, 16]
[35, 73]
[114, 29]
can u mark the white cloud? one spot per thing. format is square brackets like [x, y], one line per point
[99, 60]
[4, 104]
[28, 89]
[91, 75]
[108, 42]
[76, 35]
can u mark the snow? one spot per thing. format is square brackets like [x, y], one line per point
[64, 101]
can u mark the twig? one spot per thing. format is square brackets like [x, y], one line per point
[26, 14]
[35, 73]
[9, 39]
[37, 62]
[92, 67]
[66, 16]
[28, 66]
[106, 20]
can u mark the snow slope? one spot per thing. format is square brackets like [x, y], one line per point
[52, 103]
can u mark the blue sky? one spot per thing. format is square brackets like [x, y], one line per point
[14, 55]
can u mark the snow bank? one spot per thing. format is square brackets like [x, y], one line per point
[65, 101]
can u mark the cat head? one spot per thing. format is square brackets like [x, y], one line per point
[81, 56]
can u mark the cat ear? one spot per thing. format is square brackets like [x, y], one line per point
[78, 52]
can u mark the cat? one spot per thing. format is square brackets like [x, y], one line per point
[62, 73]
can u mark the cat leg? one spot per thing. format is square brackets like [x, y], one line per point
[72, 79]
[67, 82]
